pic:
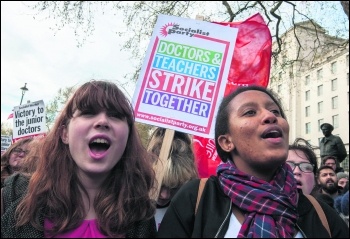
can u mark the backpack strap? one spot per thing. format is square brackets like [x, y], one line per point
[320, 213]
[239, 215]
[2, 203]
[200, 190]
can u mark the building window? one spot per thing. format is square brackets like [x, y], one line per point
[320, 121]
[307, 111]
[280, 76]
[307, 95]
[319, 90]
[335, 119]
[308, 128]
[334, 67]
[320, 74]
[307, 80]
[335, 102]
[334, 84]
[320, 107]
[279, 88]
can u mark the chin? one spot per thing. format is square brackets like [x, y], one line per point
[279, 158]
[162, 202]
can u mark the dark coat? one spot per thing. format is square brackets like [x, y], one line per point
[334, 146]
[214, 211]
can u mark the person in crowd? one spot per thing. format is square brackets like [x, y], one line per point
[12, 157]
[303, 161]
[331, 144]
[253, 180]
[93, 176]
[343, 178]
[30, 161]
[179, 168]
[26, 167]
[327, 181]
[331, 161]
[341, 203]
[327, 189]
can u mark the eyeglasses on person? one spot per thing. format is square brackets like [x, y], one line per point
[304, 167]
[19, 151]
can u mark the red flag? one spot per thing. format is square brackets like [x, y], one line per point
[250, 66]
[10, 116]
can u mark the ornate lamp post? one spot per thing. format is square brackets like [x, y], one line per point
[24, 89]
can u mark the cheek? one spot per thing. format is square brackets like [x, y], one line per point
[12, 160]
[244, 133]
[12, 157]
[323, 180]
[309, 178]
[122, 130]
[76, 131]
[242, 127]
[285, 126]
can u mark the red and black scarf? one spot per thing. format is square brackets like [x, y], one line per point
[269, 207]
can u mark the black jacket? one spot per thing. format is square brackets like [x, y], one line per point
[214, 212]
[14, 190]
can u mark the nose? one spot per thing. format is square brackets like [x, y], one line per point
[102, 121]
[269, 117]
[164, 193]
[296, 171]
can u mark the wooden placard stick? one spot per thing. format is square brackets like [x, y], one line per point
[159, 166]
[200, 18]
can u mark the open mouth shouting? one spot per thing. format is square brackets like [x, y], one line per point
[99, 147]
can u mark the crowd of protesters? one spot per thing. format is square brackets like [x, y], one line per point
[92, 177]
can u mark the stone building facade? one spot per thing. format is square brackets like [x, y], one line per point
[314, 89]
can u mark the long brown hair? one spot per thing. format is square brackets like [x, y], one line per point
[54, 187]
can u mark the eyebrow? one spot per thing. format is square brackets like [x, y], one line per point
[330, 173]
[254, 104]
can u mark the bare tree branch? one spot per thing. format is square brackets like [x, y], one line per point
[140, 17]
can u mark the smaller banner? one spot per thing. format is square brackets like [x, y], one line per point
[29, 120]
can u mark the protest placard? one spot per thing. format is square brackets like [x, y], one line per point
[184, 75]
[29, 120]
[6, 141]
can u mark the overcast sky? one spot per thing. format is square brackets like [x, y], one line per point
[32, 53]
